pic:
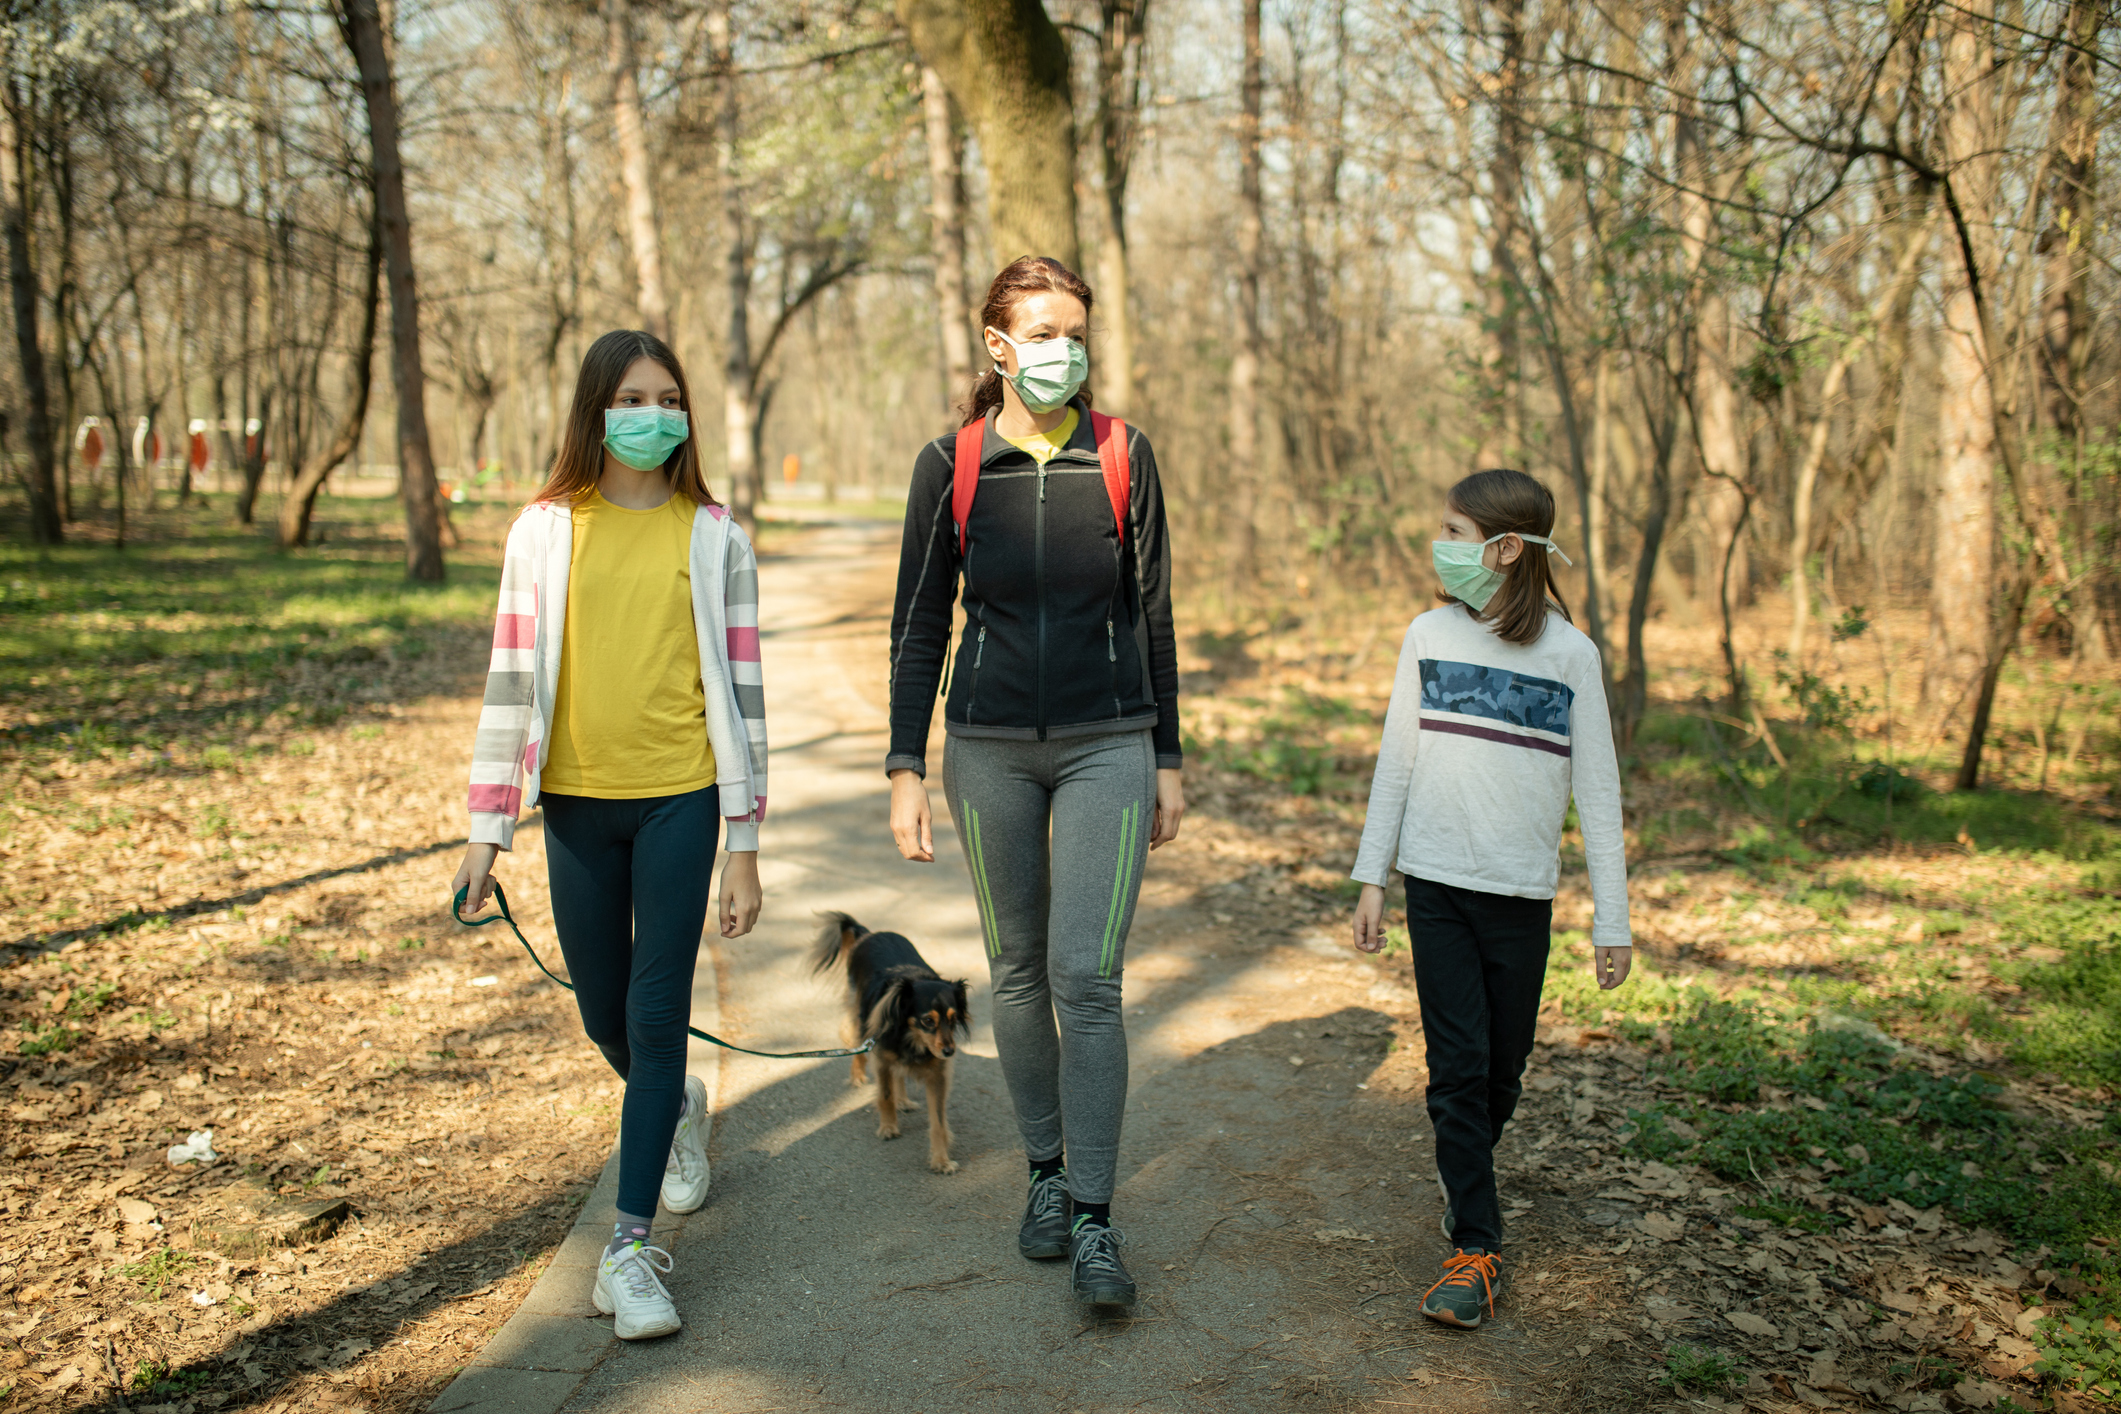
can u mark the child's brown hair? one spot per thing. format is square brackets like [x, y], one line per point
[1506, 502]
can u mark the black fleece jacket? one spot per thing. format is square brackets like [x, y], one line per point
[1067, 631]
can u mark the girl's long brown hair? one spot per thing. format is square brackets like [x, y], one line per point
[1026, 275]
[579, 459]
[1502, 502]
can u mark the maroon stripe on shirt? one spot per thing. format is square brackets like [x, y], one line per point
[1558, 748]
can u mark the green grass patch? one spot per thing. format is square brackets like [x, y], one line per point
[1694, 1367]
[159, 1270]
[207, 628]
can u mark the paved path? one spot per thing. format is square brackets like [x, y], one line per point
[1269, 1200]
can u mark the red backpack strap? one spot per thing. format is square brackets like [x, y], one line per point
[971, 440]
[1111, 435]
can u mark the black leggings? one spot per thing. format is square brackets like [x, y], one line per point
[1479, 962]
[631, 881]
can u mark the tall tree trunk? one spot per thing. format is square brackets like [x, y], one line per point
[301, 499]
[1245, 471]
[1118, 106]
[633, 168]
[1963, 558]
[738, 424]
[254, 445]
[2065, 313]
[1802, 542]
[1503, 424]
[1007, 66]
[946, 236]
[46, 523]
[362, 27]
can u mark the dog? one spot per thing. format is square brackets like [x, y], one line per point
[914, 1017]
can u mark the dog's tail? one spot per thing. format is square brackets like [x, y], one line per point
[840, 935]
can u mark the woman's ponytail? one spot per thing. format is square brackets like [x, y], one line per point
[1026, 275]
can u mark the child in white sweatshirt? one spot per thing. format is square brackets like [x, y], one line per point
[1498, 714]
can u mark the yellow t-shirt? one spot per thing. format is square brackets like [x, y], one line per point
[1042, 445]
[630, 717]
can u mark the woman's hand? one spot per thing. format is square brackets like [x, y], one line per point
[1610, 966]
[911, 824]
[741, 896]
[1370, 919]
[1170, 807]
[475, 876]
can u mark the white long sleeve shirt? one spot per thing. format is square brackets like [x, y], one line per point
[1484, 743]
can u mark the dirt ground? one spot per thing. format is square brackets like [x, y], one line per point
[288, 980]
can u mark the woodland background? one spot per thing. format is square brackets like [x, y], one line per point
[1804, 310]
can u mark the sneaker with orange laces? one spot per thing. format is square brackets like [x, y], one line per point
[1471, 1281]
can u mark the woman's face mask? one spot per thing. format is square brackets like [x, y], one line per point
[1048, 373]
[644, 438]
[1464, 577]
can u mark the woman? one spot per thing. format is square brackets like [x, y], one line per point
[1063, 731]
[625, 698]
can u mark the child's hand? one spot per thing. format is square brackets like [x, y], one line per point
[1370, 919]
[1610, 966]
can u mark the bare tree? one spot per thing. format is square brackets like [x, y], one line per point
[1007, 67]
[946, 233]
[361, 25]
[634, 172]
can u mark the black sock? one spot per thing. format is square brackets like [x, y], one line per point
[1091, 1214]
[1043, 1169]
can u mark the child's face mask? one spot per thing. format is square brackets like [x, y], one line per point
[1465, 578]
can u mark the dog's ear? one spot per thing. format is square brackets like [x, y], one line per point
[961, 999]
[889, 1011]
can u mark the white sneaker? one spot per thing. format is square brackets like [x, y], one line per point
[629, 1287]
[685, 1174]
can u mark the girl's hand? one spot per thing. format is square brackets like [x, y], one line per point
[475, 876]
[1370, 919]
[741, 897]
[1170, 807]
[911, 824]
[1610, 966]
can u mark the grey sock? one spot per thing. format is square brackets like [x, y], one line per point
[626, 1231]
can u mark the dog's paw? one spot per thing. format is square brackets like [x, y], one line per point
[888, 1130]
[906, 1106]
[942, 1165]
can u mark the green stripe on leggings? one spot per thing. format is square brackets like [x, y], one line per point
[1129, 833]
[983, 895]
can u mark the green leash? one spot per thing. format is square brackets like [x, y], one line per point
[500, 898]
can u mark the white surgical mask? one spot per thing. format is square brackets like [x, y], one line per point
[1048, 372]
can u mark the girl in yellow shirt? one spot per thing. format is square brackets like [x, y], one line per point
[625, 697]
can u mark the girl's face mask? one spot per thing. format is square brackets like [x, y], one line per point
[644, 438]
[1465, 578]
[1048, 373]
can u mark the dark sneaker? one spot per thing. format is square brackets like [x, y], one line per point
[1044, 1233]
[1471, 1281]
[1094, 1270]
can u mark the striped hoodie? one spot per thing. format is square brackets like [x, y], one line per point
[516, 721]
[1484, 745]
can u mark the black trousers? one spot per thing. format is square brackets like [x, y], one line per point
[1479, 961]
[631, 884]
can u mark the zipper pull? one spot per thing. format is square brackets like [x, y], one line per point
[1041, 483]
[979, 651]
[1111, 655]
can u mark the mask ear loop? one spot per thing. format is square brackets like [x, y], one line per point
[1552, 548]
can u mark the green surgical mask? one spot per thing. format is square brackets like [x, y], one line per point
[1048, 373]
[644, 438]
[1465, 578]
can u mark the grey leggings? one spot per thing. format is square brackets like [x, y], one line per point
[1056, 833]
